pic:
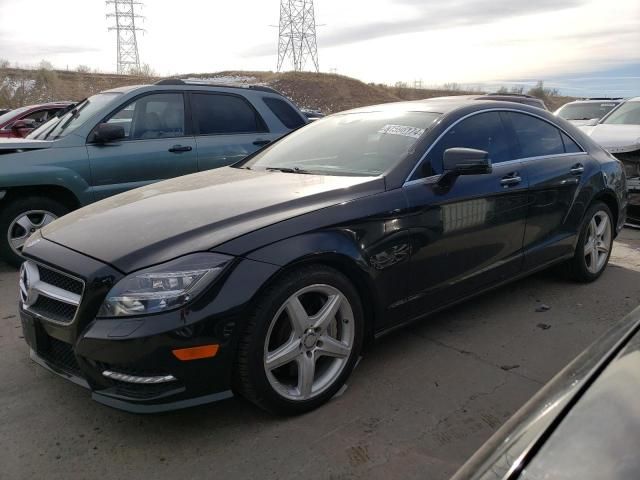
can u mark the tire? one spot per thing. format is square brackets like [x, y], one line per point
[581, 267]
[38, 211]
[279, 344]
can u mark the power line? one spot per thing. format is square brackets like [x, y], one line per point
[297, 35]
[125, 26]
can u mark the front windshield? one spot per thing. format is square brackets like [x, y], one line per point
[585, 111]
[627, 114]
[361, 144]
[59, 127]
[12, 113]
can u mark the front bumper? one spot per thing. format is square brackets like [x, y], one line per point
[84, 348]
[633, 207]
[196, 382]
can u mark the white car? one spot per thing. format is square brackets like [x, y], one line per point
[619, 133]
[585, 112]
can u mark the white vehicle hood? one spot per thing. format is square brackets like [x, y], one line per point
[615, 138]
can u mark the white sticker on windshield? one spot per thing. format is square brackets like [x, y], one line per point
[404, 130]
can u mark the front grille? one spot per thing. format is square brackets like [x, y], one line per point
[60, 280]
[631, 162]
[60, 354]
[50, 294]
[54, 309]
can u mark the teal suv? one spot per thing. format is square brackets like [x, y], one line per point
[126, 138]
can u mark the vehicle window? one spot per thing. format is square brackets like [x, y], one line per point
[484, 131]
[569, 145]
[74, 118]
[626, 114]
[159, 115]
[39, 116]
[361, 144]
[224, 114]
[585, 111]
[285, 113]
[536, 137]
[11, 114]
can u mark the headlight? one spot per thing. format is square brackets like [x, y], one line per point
[163, 287]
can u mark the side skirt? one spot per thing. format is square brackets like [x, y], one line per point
[520, 276]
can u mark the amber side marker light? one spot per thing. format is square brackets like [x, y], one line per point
[195, 353]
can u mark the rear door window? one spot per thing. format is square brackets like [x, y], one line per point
[224, 114]
[536, 138]
[569, 145]
[285, 112]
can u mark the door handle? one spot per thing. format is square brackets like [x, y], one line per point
[261, 142]
[180, 148]
[577, 169]
[512, 179]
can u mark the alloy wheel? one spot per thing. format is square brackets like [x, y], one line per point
[23, 226]
[309, 342]
[598, 242]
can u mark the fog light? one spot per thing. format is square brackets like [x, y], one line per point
[122, 377]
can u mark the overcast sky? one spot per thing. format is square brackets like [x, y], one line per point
[462, 41]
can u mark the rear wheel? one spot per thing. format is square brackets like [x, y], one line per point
[594, 244]
[20, 219]
[302, 341]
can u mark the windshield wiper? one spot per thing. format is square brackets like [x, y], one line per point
[289, 170]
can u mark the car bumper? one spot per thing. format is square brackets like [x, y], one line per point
[85, 361]
[141, 348]
[633, 205]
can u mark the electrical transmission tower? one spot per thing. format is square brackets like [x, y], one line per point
[297, 40]
[125, 26]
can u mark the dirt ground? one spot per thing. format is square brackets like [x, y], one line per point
[418, 405]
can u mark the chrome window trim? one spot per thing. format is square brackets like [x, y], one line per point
[525, 159]
[55, 293]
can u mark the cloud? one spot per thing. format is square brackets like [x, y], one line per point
[429, 17]
[29, 50]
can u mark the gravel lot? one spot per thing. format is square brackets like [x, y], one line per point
[419, 404]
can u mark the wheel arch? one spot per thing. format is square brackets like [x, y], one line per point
[608, 197]
[348, 267]
[54, 192]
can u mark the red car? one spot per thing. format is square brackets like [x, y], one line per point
[20, 122]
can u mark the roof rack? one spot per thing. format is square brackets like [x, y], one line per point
[178, 81]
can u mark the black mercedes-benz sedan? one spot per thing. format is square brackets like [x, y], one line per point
[266, 278]
[584, 424]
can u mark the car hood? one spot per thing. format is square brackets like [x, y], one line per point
[615, 138]
[12, 145]
[196, 213]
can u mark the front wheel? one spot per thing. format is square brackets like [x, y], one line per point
[20, 219]
[302, 341]
[594, 244]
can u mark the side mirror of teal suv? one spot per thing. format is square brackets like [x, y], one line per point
[126, 138]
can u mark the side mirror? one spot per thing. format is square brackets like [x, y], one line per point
[107, 132]
[593, 122]
[466, 161]
[27, 123]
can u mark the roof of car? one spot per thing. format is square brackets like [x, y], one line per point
[441, 105]
[596, 100]
[49, 104]
[178, 83]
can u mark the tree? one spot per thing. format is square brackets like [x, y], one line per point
[542, 93]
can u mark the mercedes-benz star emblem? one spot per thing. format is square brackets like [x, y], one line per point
[27, 294]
